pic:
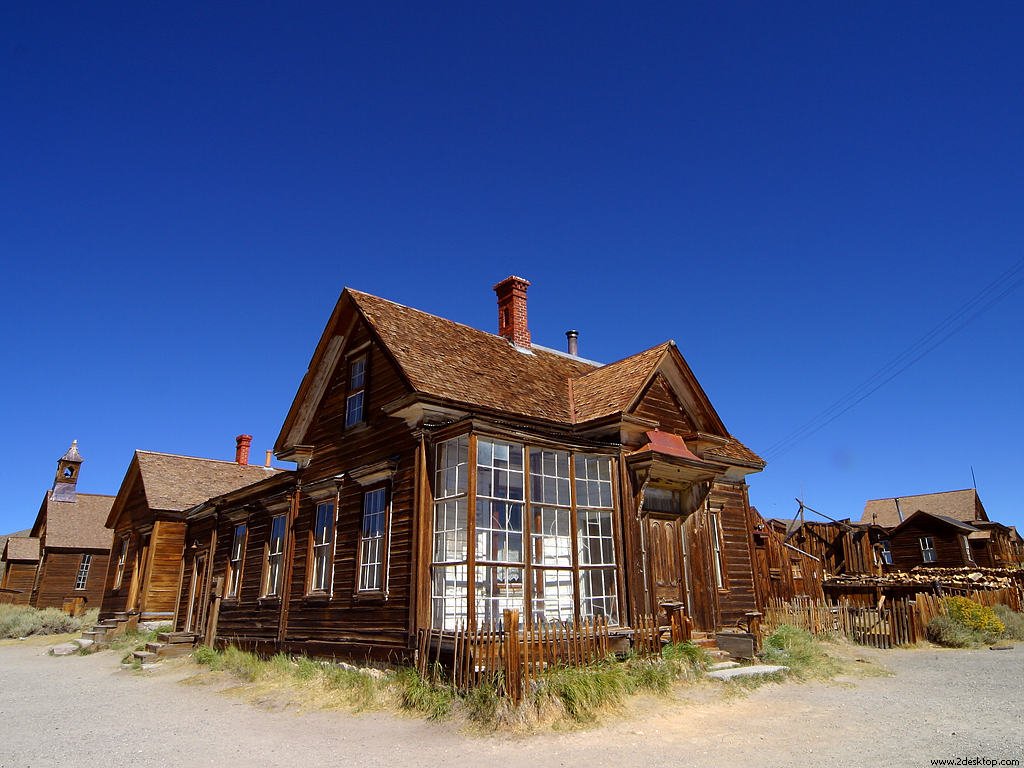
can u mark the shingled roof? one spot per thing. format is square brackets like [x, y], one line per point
[175, 483]
[21, 548]
[78, 524]
[455, 364]
[963, 505]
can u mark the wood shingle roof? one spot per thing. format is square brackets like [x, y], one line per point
[176, 483]
[963, 505]
[21, 548]
[78, 524]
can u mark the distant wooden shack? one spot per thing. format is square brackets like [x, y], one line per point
[20, 557]
[147, 517]
[74, 544]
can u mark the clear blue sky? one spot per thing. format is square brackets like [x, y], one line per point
[792, 193]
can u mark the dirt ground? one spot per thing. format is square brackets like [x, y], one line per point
[937, 704]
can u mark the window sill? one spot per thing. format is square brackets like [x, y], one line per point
[317, 598]
[229, 601]
[269, 600]
[361, 426]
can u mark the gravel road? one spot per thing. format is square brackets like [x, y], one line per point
[85, 711]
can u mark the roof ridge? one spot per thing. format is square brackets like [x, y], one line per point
[203, 458]
[915, 495]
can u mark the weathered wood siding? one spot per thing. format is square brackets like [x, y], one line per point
[58, 573]
[659, 404]
[781, 571]
[906, 546]
[22, 577]
[737, 597]
[200, 533]
[159, 593]
[842, 550]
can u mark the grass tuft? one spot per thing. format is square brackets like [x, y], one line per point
[799, 650]
[1012, 621]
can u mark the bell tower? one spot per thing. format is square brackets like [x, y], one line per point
[65, 483]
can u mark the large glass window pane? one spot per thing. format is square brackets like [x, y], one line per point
[552, 595]
[450, 531]
[598, 594]
[498, 589]
[448, 589]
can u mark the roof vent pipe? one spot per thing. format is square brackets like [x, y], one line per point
[573, 345]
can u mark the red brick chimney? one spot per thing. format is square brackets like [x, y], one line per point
[242, 443]
[512, 310]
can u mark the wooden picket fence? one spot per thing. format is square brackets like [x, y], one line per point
[511, 660]
[891, 623]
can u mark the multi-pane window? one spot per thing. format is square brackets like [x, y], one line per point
[323, 539]
[887, 552]
[499, 529]
[275, 556]
[598, 596]
[356, 400]
[122, 558]
[553, 587]
[716, 550]
[450, 575]
[540, 538]
[83, 572]
[237, 556]
[371, 552]
[928, 553]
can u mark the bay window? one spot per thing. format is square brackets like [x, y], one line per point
[540, 541]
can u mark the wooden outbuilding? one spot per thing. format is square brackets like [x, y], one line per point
[144, 575]
[20, 561]
[446, 474]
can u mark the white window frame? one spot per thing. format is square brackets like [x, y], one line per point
[122, 559]
[928, 553]
[83, 572]
[886, 552]
[236, 559]
[373, 543]
[716, 549]
[355, 400]
[275, 556]
[322, 549]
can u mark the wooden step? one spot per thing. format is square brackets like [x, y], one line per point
[175, 638]
[146, 657]
[174, 650]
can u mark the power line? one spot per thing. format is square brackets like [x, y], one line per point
[906, 358]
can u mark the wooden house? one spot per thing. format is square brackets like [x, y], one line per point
[445, 474]
[989, 543]
[20, 561]
[74, 544]
[147, 517]
[931, 540]
[844, 548]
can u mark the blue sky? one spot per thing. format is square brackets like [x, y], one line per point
[793, 193]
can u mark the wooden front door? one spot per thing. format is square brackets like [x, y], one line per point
[667, 560]
[199, 594]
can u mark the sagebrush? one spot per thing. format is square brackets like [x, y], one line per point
[25, 621]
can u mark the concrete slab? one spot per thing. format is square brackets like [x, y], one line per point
[751, 671]
[64, 649]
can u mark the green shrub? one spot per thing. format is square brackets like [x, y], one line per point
[1012, 621]
[947, 631]
[206, 656]
[975, 617]
[23, 621]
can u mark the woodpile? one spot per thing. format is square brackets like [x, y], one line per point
[950, 578]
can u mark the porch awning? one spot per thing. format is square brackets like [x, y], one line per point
[665, 458]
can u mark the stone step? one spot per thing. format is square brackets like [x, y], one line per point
[64, 649]
[754, 670]
[173, 638]
[84, 642]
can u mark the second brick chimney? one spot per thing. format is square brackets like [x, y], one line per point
[512, 310]
[242, 443]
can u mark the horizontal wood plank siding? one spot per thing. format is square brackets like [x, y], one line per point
[59, 572]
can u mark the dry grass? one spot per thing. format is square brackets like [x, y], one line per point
[564, 696]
